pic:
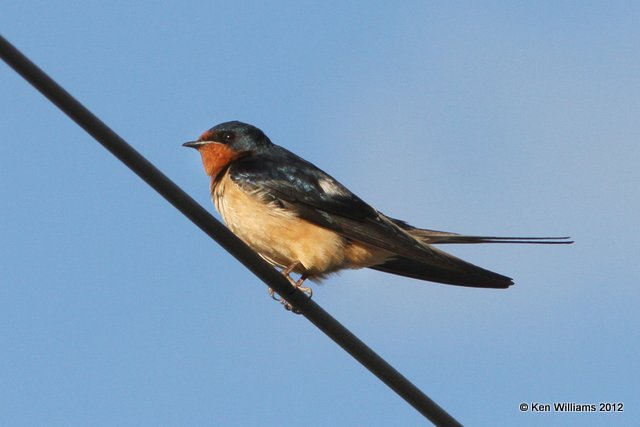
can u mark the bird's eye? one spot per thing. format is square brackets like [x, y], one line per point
[227, 136]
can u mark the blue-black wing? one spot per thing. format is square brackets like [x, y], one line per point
[299, 186]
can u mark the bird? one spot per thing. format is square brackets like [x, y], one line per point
[302, 220]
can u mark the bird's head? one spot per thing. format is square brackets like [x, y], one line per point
[226, 142]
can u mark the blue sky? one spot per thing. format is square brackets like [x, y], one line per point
[500, 119]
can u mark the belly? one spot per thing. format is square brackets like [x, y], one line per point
[278, 235]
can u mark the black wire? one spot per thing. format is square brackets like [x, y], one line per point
[207, 223]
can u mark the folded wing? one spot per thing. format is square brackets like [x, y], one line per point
[297, 185]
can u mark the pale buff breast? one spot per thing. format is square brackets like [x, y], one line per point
[283, 239]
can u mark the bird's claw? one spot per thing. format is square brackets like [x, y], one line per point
[274, 296]
[296, 284]
[286, 304]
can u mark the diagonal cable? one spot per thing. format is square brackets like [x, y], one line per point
[218, 232]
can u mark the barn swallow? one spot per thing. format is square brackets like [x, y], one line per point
[302, 220]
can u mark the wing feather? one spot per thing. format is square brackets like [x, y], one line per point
[297, 185]
[317, 197]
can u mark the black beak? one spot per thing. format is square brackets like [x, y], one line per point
[192, 144]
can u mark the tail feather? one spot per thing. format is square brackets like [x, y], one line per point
[448, 269]
[439, 237]
[442, 267]
[458, 272]
[442, 237]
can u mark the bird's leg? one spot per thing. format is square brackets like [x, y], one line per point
[285, 272]
[306, 289]
[295, 283]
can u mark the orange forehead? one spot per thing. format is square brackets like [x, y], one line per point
[207, 136]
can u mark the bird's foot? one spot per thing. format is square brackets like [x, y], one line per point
[286, 304]
[274, 296]
[296, 284]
